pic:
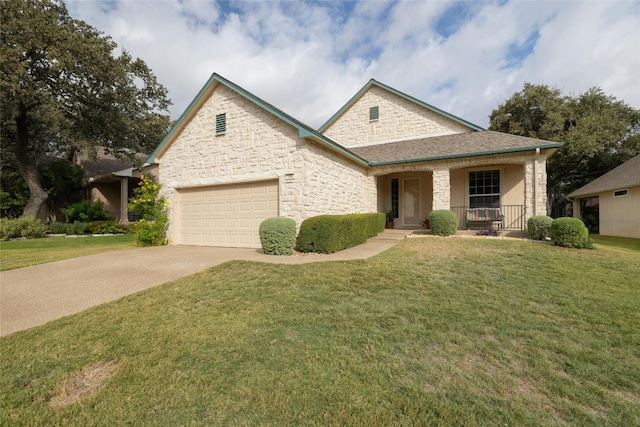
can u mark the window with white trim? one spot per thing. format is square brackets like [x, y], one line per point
[221, 123]
[484, 189]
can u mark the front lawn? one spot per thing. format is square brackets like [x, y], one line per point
[23, 253]
[435, 331]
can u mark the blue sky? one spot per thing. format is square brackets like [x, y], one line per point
[309, 57]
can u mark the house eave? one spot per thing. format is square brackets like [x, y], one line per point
[553, 146]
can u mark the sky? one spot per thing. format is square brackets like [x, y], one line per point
[308, 58]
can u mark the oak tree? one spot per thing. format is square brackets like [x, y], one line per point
[64, 85]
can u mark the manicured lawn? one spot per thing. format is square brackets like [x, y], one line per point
[619, 243]
[22, 253]
[435, 331]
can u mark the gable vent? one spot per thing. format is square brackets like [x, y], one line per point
[373, 113]
[221, 123]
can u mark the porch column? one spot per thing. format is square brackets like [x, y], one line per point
[576, 208]
[529, 189]
[441, 189]
[124, 200]
[541, 185]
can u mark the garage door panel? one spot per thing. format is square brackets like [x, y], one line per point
[227, 215]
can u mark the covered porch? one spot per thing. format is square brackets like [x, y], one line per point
[514, 186]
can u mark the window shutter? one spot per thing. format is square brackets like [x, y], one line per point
[221, 123]
[373, 113]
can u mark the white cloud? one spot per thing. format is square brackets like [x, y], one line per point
[308, 59]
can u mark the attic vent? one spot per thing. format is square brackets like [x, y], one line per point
[221, 123]
[620, 193]
[373, 114]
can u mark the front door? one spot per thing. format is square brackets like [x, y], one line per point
[411, 202]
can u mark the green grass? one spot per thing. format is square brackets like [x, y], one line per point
[619, 243]
[23, 253]
[435, 331]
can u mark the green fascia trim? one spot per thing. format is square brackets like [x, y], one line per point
[460, 156]
[409, 98]
[304, 131]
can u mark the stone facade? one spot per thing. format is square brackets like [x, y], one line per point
[398, 119]
[259, 146]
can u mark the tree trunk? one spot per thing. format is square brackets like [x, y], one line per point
[28, 167]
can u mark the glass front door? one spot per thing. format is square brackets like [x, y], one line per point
[411, 201]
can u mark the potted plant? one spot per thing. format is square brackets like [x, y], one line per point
[390, 216]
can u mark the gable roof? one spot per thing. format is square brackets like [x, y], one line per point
[468, 144]
[304, 131]
[409, 98]
[623, 176]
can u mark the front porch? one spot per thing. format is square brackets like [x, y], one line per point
[413, 191]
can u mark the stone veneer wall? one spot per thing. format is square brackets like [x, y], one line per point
[398, 119]
[259, 146]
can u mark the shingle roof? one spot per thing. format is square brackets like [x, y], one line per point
[624, 176]
[468, 144]
[104, 164]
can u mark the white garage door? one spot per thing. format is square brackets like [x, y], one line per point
[225, 215]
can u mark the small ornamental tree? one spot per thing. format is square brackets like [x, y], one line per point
[146, 203]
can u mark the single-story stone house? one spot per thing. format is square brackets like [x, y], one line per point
[232, 160]
[618, 193]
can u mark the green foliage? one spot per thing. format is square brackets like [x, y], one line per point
[599, 133]
[77, 228]
[21, 227]
[86, 211]
[150, 233]
[278, 236]
[66, 84]
[107, 227]
[570, 233]
[538, 227]
[150, 230]
[58, 228]
[443, 222]
[145, 201]
[332, 233]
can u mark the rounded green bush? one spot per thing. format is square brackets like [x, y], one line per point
[539, 226]
[278, 236]
[443, 222]
[570, 233]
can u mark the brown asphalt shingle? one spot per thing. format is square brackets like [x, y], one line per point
[624, 176]
[450, 146]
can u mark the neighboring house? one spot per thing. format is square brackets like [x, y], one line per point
[232, 160]
[111, 180]
[618, 192]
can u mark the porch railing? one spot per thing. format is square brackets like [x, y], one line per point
[513, 216]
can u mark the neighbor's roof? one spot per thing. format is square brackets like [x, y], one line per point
[624, 176]
[304, 131]
[468, 144]
[409, 98]
[104, 164]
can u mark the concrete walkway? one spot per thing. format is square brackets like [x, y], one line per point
[33, 296]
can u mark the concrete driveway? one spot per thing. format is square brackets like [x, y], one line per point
[33, 296]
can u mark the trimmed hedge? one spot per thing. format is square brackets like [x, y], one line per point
[332, 233]
[21, 227]
[539, 227]
[443, 222]
[278, 236]
[570, 233]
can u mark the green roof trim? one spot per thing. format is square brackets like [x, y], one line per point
[304, 131]
[409, 98]
[464, 155]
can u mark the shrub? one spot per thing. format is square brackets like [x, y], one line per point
[77, 228]
[443, 222]
[106, 227]
[332, 233]
[58, 228]
[21, 227]
[85, 211]
[146, 203]
[150, 233]
[570, 233]
[539, 226]
[278, 236]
